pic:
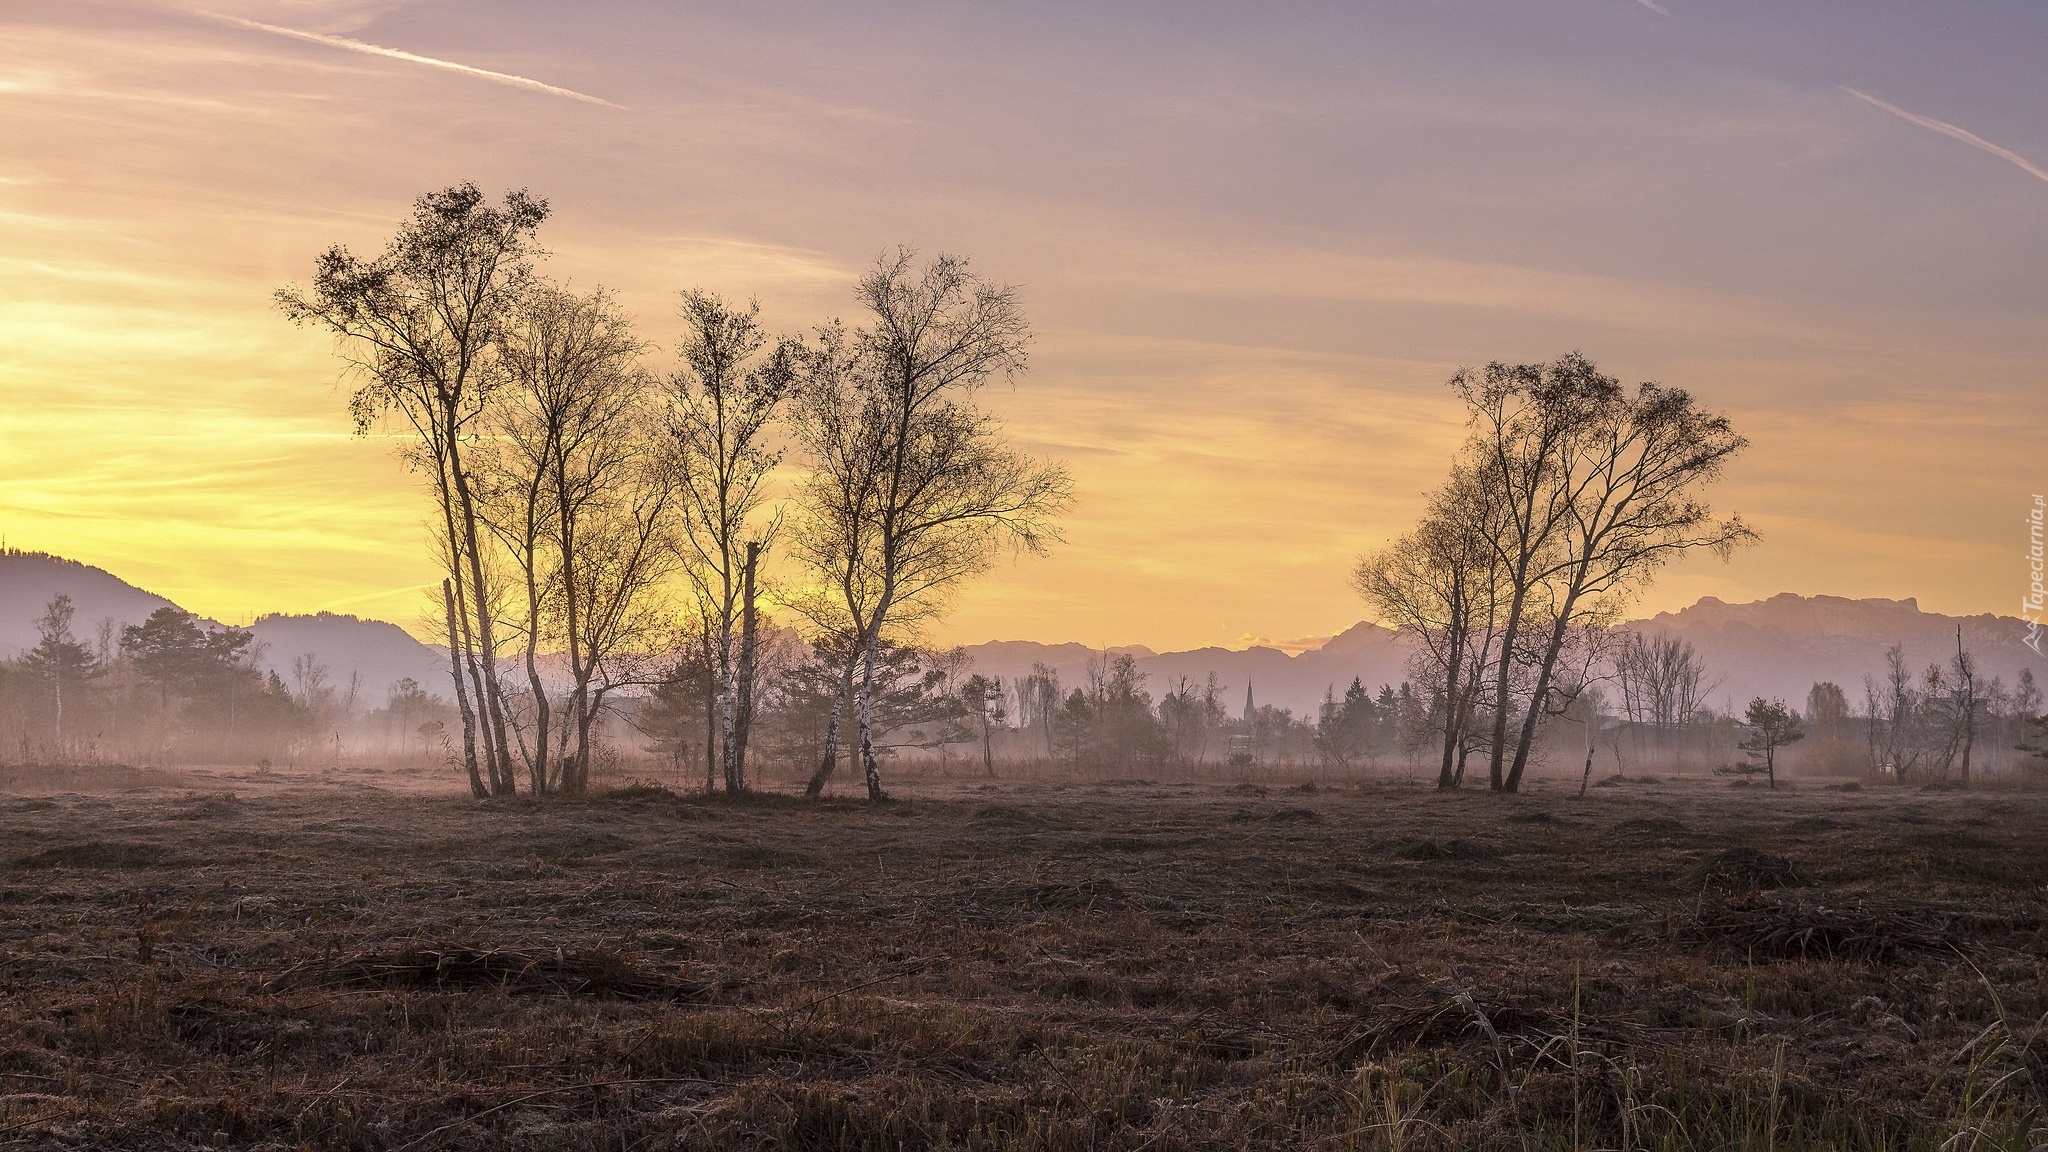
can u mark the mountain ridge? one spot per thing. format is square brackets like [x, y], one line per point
[1775, 647]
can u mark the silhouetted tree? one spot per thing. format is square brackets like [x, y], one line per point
[1591, 489]
[913, 489]
[204, 675]
[583, 498]
[1662, 680]
[720, 408]
[1345, 728]
[59, 660]
[1827, 709]
[410, 708]
[986, 701]
[1965, 702]
[1772, 726]
[566, 466]
[1191, 714]
[1122, 729]
[912, 707]
[419, 327]
[1039, 700]
[1444, 586]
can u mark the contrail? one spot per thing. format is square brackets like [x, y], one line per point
[344, 42]
[1952, 132]
[1654, 6]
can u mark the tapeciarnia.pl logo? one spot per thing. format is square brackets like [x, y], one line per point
[2031, 608]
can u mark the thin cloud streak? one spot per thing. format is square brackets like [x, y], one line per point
[347, 44]
[1952, 132]
[1653, 6]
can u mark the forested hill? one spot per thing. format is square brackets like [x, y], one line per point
[372, 650]
[30, 580]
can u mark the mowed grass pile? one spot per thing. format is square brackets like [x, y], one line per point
[1121, 966]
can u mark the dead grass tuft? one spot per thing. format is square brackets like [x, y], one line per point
[1745, 869]
[1651, 825]
[1819, 926]
[523, 971]
[1009, 816]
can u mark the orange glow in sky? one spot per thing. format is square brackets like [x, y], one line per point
[1254, 241]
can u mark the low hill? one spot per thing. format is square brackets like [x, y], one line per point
[30, 580]
[379, 654]
[376, 652]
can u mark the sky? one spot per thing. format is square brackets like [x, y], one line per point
[1253, 240]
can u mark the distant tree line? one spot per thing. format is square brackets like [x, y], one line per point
[177, 689]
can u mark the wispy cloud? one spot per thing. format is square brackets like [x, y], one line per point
[1952, 132]
[1653, 6]
[366, 48]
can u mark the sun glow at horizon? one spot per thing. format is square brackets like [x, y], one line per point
[1251, 263]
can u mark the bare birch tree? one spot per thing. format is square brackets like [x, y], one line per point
[578, 497]
[1444, 586]
[720, 409]
[1596, 489]
[913, 488]
[418, 329]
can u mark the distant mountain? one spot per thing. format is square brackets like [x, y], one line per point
[30, 580]
[1775, 648]
[1781, 646]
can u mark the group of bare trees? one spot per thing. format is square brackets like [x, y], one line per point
[594, 520]
[1927, 725]
[1569, 493]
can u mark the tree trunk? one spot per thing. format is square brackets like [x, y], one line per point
[869, 765]
[581, 765]
[538, 766]
[1540, 691]
[830, 760]
[1497, 755]
[476, 782]
[749, 638]
[728, 720]
[461, 645]
[711, 695]
[1454, 727]
[486, 654]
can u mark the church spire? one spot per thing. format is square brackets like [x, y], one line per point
[1249, 710]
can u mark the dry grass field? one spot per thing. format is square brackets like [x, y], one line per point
[1122, 965]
